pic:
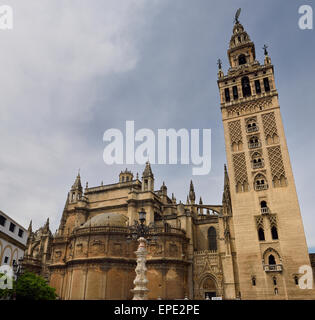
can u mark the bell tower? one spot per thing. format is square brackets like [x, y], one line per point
[269, 242]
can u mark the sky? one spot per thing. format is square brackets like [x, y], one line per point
[70, 70]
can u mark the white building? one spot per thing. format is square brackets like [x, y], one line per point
[13, 238]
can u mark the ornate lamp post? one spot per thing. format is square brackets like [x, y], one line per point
[17, 270]
[141, 232]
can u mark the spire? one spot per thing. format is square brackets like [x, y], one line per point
[192, 195]
[147, 173]
[147, 178]
[30, 228]
[77, 183]
[187, 201]
[46, 226]
[242, 49]
[200, 209]
[226, 198]
[164, 189]
[226, 177]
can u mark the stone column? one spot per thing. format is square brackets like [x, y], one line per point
[140, 291]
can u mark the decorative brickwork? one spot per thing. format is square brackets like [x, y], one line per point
[272, 220]
[259, 222]
[235, 131]
[269, 123]
[249, 107]
[240, 170]
[276, 162]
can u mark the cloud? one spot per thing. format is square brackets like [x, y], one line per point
[72, 69]
[51, 62]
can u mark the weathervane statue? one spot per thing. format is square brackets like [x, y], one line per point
[237, 15]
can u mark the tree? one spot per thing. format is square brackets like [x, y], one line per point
[6, 292]
[33, 287]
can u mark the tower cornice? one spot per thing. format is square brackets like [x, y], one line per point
[244, 70]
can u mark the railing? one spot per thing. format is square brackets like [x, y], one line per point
[261, 187]
[264, 210]
[207, 216]
[273, 267]
[205, 252]
[31, 260]
[110, 186]
[252, 129]
[110, 229]
[257, 165]
[254, 145]
[101, 229]
[59, 238]
[169, 229]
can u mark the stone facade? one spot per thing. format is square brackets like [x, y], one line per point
[92, 254]
[38, 250]
[269, 236]
[13, 238]
[249, 247]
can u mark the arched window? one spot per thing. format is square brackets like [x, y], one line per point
[272, 260]
[296, 280]
[251, 125]
[253, 142]
[257, 161]
[266, 84]
[263, 207]
[274, 279]
[212, 239]
[247, 92]
[274, 233]
[263, 204]
[261, 234]
[235, 92]
[242, 59]
[257, 87]
[227, 95]
[260, 183]
[253, 281]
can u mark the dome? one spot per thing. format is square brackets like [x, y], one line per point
[106, 219]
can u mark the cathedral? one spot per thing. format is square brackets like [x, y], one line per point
[250, 246]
